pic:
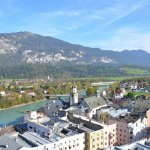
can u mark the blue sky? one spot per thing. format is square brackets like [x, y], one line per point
[106, 24]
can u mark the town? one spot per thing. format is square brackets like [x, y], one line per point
[115, 116]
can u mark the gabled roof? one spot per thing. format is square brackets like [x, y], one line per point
[51, 108]
[94, 102]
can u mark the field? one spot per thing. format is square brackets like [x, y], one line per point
[132, 71]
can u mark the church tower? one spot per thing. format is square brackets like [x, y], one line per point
[73, 95]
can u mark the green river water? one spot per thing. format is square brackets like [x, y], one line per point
[15, 115]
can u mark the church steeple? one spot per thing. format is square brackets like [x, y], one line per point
[73, 95]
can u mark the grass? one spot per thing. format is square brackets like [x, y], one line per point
[132, 71]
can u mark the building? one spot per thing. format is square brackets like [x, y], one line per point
[93, 103]
[130, 127]
[72, 140]
[98, 136]
[73, 95]
[55, 134]
[122, 102]
[104, 114]
[143, 144]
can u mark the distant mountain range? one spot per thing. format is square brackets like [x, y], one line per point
[26, 47]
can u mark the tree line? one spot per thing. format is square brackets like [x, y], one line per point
[60, 71]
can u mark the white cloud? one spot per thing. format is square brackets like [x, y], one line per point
[113, 13]
[125, 38]
[69, 13]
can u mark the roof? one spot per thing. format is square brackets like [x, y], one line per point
[56, 124]
[77, 110]
[129, 118]
[114, 112]
[7, 142]
[141, 104]
[94, 101]
[140, 144]
[34, 138]
[51, 108]
[123, 99]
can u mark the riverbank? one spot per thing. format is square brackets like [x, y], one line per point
[14, 115]
[21, 105]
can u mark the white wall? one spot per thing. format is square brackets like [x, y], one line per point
[138, 128]
[76, 142]
[38, 128]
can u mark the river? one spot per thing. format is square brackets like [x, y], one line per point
[15, 115]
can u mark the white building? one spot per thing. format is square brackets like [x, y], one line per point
[93, 103]
[72, 142]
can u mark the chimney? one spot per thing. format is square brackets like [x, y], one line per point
[6, 146]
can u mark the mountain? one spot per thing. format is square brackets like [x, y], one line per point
[26, 47]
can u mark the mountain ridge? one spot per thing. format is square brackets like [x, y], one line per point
[27, 47]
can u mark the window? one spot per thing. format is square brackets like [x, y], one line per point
[131, 132]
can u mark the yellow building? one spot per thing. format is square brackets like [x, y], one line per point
[95, 140]
[97, 136]
[102, 138]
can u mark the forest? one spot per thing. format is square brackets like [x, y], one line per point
[31, 71]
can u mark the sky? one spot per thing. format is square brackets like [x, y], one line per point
[105, 24]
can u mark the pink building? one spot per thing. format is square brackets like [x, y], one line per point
[130, 128]
[148, 118]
